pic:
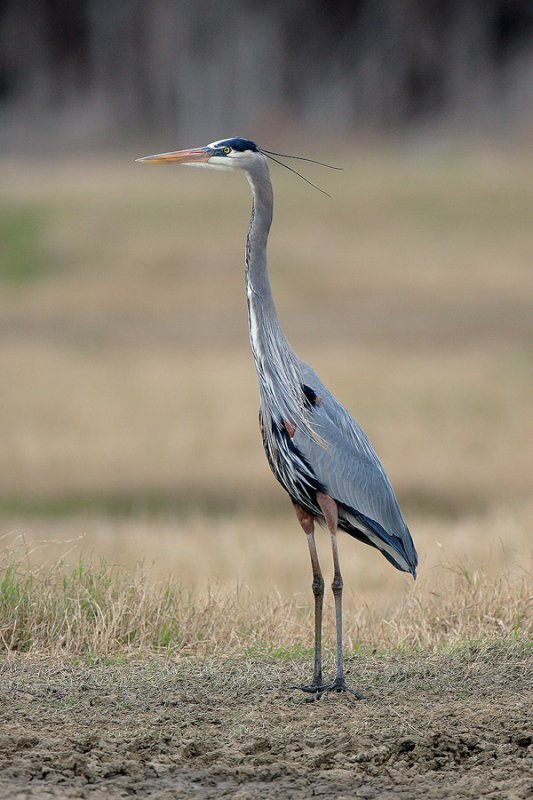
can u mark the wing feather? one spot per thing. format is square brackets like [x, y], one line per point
[344, 461]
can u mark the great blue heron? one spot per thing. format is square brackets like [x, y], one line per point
[318, 453]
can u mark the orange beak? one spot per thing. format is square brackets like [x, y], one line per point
[195, 156]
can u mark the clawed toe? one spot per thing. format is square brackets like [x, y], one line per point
[339, 686]
[344, 688]
[319, 690]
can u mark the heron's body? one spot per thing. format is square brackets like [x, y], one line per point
[315, 449]
[311, 441]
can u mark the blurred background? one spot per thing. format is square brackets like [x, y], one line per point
[128, 423]
[95, 72]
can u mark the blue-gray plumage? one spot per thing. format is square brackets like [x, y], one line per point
[314, 447]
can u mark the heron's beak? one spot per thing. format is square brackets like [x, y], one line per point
[195, 156]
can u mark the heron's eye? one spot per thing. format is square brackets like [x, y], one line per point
[226, 150]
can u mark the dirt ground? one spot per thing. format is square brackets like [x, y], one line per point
[432, 727]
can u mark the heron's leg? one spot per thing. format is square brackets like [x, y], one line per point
[336, 587]
[307, 522]
[328, 506]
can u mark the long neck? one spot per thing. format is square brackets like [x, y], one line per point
[262, 316]
[277, 366]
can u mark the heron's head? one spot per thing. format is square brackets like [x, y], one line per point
[228, 154]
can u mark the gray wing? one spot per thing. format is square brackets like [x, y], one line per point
[345, 462]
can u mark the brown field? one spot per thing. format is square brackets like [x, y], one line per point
[129, 433]
[437, 727]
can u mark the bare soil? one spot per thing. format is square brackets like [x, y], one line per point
[455, 726]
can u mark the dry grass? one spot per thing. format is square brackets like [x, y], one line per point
[96, 610]
[129, 401]
[265, 553]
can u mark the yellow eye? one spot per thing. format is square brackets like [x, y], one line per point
[226, 150]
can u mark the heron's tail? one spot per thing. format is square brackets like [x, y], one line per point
[399, 550]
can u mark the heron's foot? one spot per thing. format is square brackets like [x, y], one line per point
[321, 689]
[340, 685]
[310, 688]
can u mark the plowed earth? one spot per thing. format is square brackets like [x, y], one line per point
[432, 727]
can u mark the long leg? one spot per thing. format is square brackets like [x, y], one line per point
[307, 522]
[336, 587]
[328, 507]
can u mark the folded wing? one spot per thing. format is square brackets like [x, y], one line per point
[346, 464]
